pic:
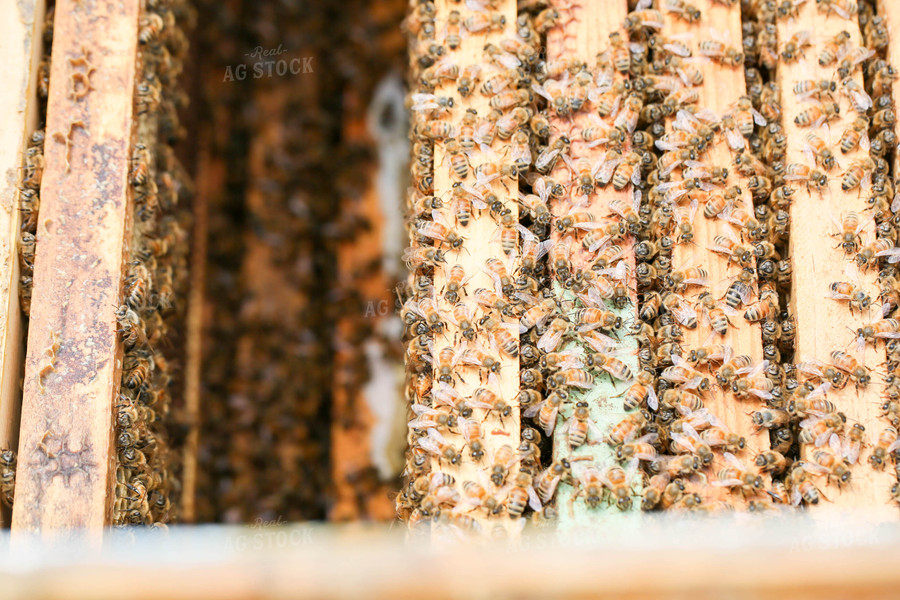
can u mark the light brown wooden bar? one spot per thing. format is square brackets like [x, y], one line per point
[583, 33]
[823, 324]
[73, 364]
[352, 420]
[21, 47]
[722, 86]
[480, 244]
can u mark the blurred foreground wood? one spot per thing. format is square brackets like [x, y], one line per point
[734, 557]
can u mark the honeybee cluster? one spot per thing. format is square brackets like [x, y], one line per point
[274, 283]
[599, 155]
[146, 479]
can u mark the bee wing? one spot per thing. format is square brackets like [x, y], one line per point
[835, 444]
[533, 410]
[421, 409]
[542, 91]
[600, 342]
[732, 460]
[446, 394]
[550, 340]
[796, 497]
[736, 140]
[605, 168]
[551, 423]
[636, 175]
[758, 118]
[727, 483]
[652, 399]
[684, 314]
[428, 444]
[823, 438]
[533, 501]
[850, 451]
[753, 370]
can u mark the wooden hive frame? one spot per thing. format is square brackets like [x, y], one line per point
[21, 47]
[825, 325]
[719, 92]
[583, 34]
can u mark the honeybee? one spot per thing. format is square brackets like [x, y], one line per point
[591, 486]
[802, 489]
[849, 364]
[818, 114]
[683, 465]
[571, 377]
[858, 174]
[617, 480]
[721, 53]
[616, 368]
[427, 417]
[641, 392]
[689, 442]
[846, 9]
[476, 494]
[814, 178]
[490, 299]
[831, 465]
[771, 461]
[833, 48]
[578, 426]
[731, 247]
[855, 296]
[553, 336]
[437, 445]
[683, 373]
[482, 21]
[704, 355]
[447, 359]
[502, 461]
[820, 430]
[643, 19]
[477, 357]
[681, 279]
[716, 437]
[627, 429]
[737, 475]
[521, 493]
[753, 381]
[549, 478]
[455, 283]
[884, 329]
[807, 88]
[466, 82]
[855, 135]
[502, 338]
[818, 152]
[886, 444]
[793, 49]
[652, 493]
[439, 229]
[547, 158]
